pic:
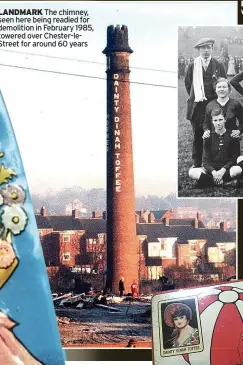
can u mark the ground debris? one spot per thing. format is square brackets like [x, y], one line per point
[97, 326]
[63, 320]
[84, 301]
[108, 307]
[144, 317]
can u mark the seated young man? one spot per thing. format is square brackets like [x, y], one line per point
[221, 160]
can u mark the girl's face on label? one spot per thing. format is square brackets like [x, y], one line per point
[181, 321]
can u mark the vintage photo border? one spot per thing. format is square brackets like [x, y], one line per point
[186, 349]
[177, 106]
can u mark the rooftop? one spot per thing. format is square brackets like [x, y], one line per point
[182, 229]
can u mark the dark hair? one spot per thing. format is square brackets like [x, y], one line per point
[185, 311]
[131, 343]
[221, 79]
[217, 111]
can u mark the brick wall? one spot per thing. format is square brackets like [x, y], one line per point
[168, 262]
[70, 248]
[44, 232]
[62, 248]
[183, 254]
[50, 245]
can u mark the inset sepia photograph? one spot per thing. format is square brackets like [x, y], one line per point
[210, 111]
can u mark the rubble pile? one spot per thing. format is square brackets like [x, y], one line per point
[98, 319]
[87, 301]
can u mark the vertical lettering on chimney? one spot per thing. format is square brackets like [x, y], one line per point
[117, 131]
[121, 227]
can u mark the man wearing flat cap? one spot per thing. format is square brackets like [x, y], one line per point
[199, 82]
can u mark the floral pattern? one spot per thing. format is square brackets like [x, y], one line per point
[7, 254]
[13, 219]
[13, 195]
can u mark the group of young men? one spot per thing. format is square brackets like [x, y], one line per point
[216, 120]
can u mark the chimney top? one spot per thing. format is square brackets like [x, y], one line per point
[75, 213]
[43, 211]
[95, 214]
[104, 215]
[117, 39]
[150, 218]
[167, 221]
[223, 226]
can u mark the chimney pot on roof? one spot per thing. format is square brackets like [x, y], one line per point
[198, 216]
[104, 215]
[43, 211]
[75, 213]
[167, 221]
[223, 226]
[150, 218]
[95, 214]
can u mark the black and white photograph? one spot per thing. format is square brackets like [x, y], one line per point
[210, 111]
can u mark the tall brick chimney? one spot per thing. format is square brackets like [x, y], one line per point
[223, 226]
[43, 211]
[122, 257]
[137, 218]
[75, 213]
[196, 223]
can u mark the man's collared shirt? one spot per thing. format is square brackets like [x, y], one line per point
[205, 62]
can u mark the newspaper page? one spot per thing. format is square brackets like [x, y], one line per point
[97, 96]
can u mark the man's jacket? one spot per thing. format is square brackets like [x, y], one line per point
[217, 70]
[235, 82]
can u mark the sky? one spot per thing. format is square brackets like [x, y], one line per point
[60, 120]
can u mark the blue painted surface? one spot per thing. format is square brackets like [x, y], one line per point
[26, 296]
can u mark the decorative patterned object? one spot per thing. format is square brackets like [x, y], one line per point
[218, 315]
[27, 315]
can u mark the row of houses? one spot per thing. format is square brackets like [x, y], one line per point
[79, 244]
